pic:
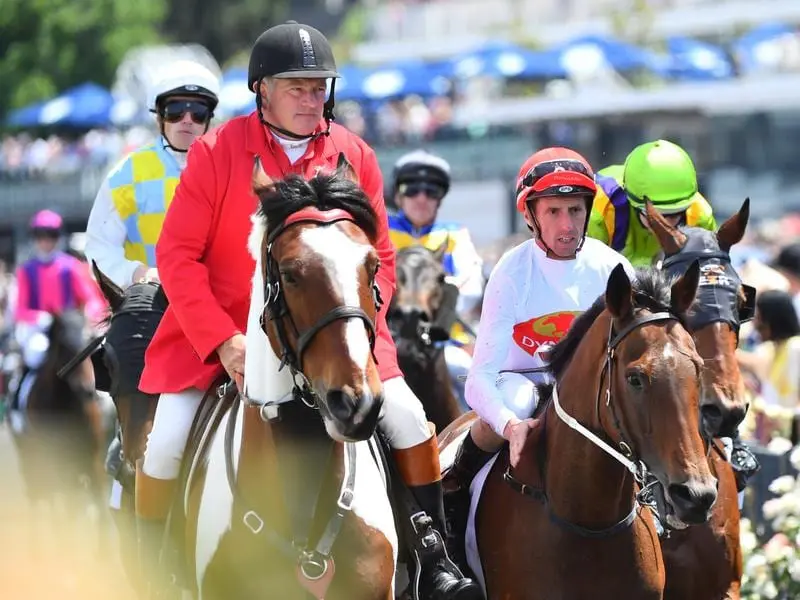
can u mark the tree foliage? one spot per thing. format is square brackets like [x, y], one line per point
[47, 46]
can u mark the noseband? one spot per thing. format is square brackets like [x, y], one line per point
[277, 311]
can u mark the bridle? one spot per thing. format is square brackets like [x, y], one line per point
[624, 453]
[277, 311]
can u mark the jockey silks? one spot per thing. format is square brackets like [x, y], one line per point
[615, 222]
[142, 187]
[529, 305]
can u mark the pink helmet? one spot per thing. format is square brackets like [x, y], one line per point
[47, 220]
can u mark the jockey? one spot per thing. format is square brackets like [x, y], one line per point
[206, 270]
[663, 173]
[534, 293]
[421, 181]
[128, 211]
[51, 283]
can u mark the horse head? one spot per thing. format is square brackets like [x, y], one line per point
[724, 303]
[132, 321]
[315, 297]
[636, 365]
[422, 295]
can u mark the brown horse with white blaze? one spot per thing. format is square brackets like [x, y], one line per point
[286, 498]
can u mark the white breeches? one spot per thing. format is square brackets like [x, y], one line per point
[34, 343]
[171, 424]
[402, 421]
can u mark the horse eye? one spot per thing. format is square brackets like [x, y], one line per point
[401, 277]
[636, 380]
[442, 278]
[289, 277]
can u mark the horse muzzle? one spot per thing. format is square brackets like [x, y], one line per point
[691, 502]
[349, 415]
[721, 418]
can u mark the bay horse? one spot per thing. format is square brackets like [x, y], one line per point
[134, 315]
[705, 562]
[61, 443]
[565, 522]
[285, 497]
[412, 318]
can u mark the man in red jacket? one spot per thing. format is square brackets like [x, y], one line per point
[206, 271]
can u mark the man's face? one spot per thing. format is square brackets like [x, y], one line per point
[294, 104]
[184, 119]
[561, 221]
[420, 202]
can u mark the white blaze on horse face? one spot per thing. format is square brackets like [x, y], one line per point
[343, 258]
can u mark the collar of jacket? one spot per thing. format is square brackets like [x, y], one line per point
[259, 138]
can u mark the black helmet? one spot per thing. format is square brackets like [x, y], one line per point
[421, 166]
[291, 50]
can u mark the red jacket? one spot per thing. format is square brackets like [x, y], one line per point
[202, 254]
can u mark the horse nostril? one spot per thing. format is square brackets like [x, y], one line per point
[341, 404]
[711, 416]
[692, 498]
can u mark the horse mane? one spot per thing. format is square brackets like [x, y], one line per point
[652, 290]
[325, 191]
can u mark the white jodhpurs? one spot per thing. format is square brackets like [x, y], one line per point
[167, 440]
[402, 419]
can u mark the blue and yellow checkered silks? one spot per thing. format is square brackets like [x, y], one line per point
[403, 234]
[142, 187]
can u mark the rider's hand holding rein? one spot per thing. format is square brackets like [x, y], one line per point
[144, 273]
[231, 355]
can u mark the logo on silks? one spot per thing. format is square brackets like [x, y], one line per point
[547, 329]
[715, 275]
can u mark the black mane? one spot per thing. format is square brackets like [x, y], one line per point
[325, 191]
[652, 289]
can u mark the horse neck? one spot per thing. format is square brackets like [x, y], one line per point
[584, 484]
[287, 463]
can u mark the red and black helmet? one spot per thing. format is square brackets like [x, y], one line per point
[555, 172]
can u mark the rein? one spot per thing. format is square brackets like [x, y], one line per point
[624, 455]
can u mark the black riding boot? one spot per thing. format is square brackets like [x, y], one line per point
[744, 462]
[468, 461]
[439, 577]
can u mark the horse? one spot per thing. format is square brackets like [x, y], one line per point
[705, 562]
[412, 318]
[61, 441]
[134, 315]
[284, 496]
[566, 520]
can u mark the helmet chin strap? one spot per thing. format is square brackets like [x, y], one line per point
[169, 144]
[327, 113]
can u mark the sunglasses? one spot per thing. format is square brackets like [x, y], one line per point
[551, 166]
[434, 192]
[173, 112]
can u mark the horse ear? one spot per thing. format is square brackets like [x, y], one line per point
[440, 252]
[670, 238]
[345, 169]
[684, 289]
[261, 181]
[619, 293]
[111, 290]
[732, 231]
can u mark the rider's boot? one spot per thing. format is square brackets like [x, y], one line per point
[744, 462]
[468, 461]
[153, 502]
[439, 577]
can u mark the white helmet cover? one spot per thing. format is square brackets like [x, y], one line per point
[185, 77]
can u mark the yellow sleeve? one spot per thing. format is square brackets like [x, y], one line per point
[700, 214]
[597, 221]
